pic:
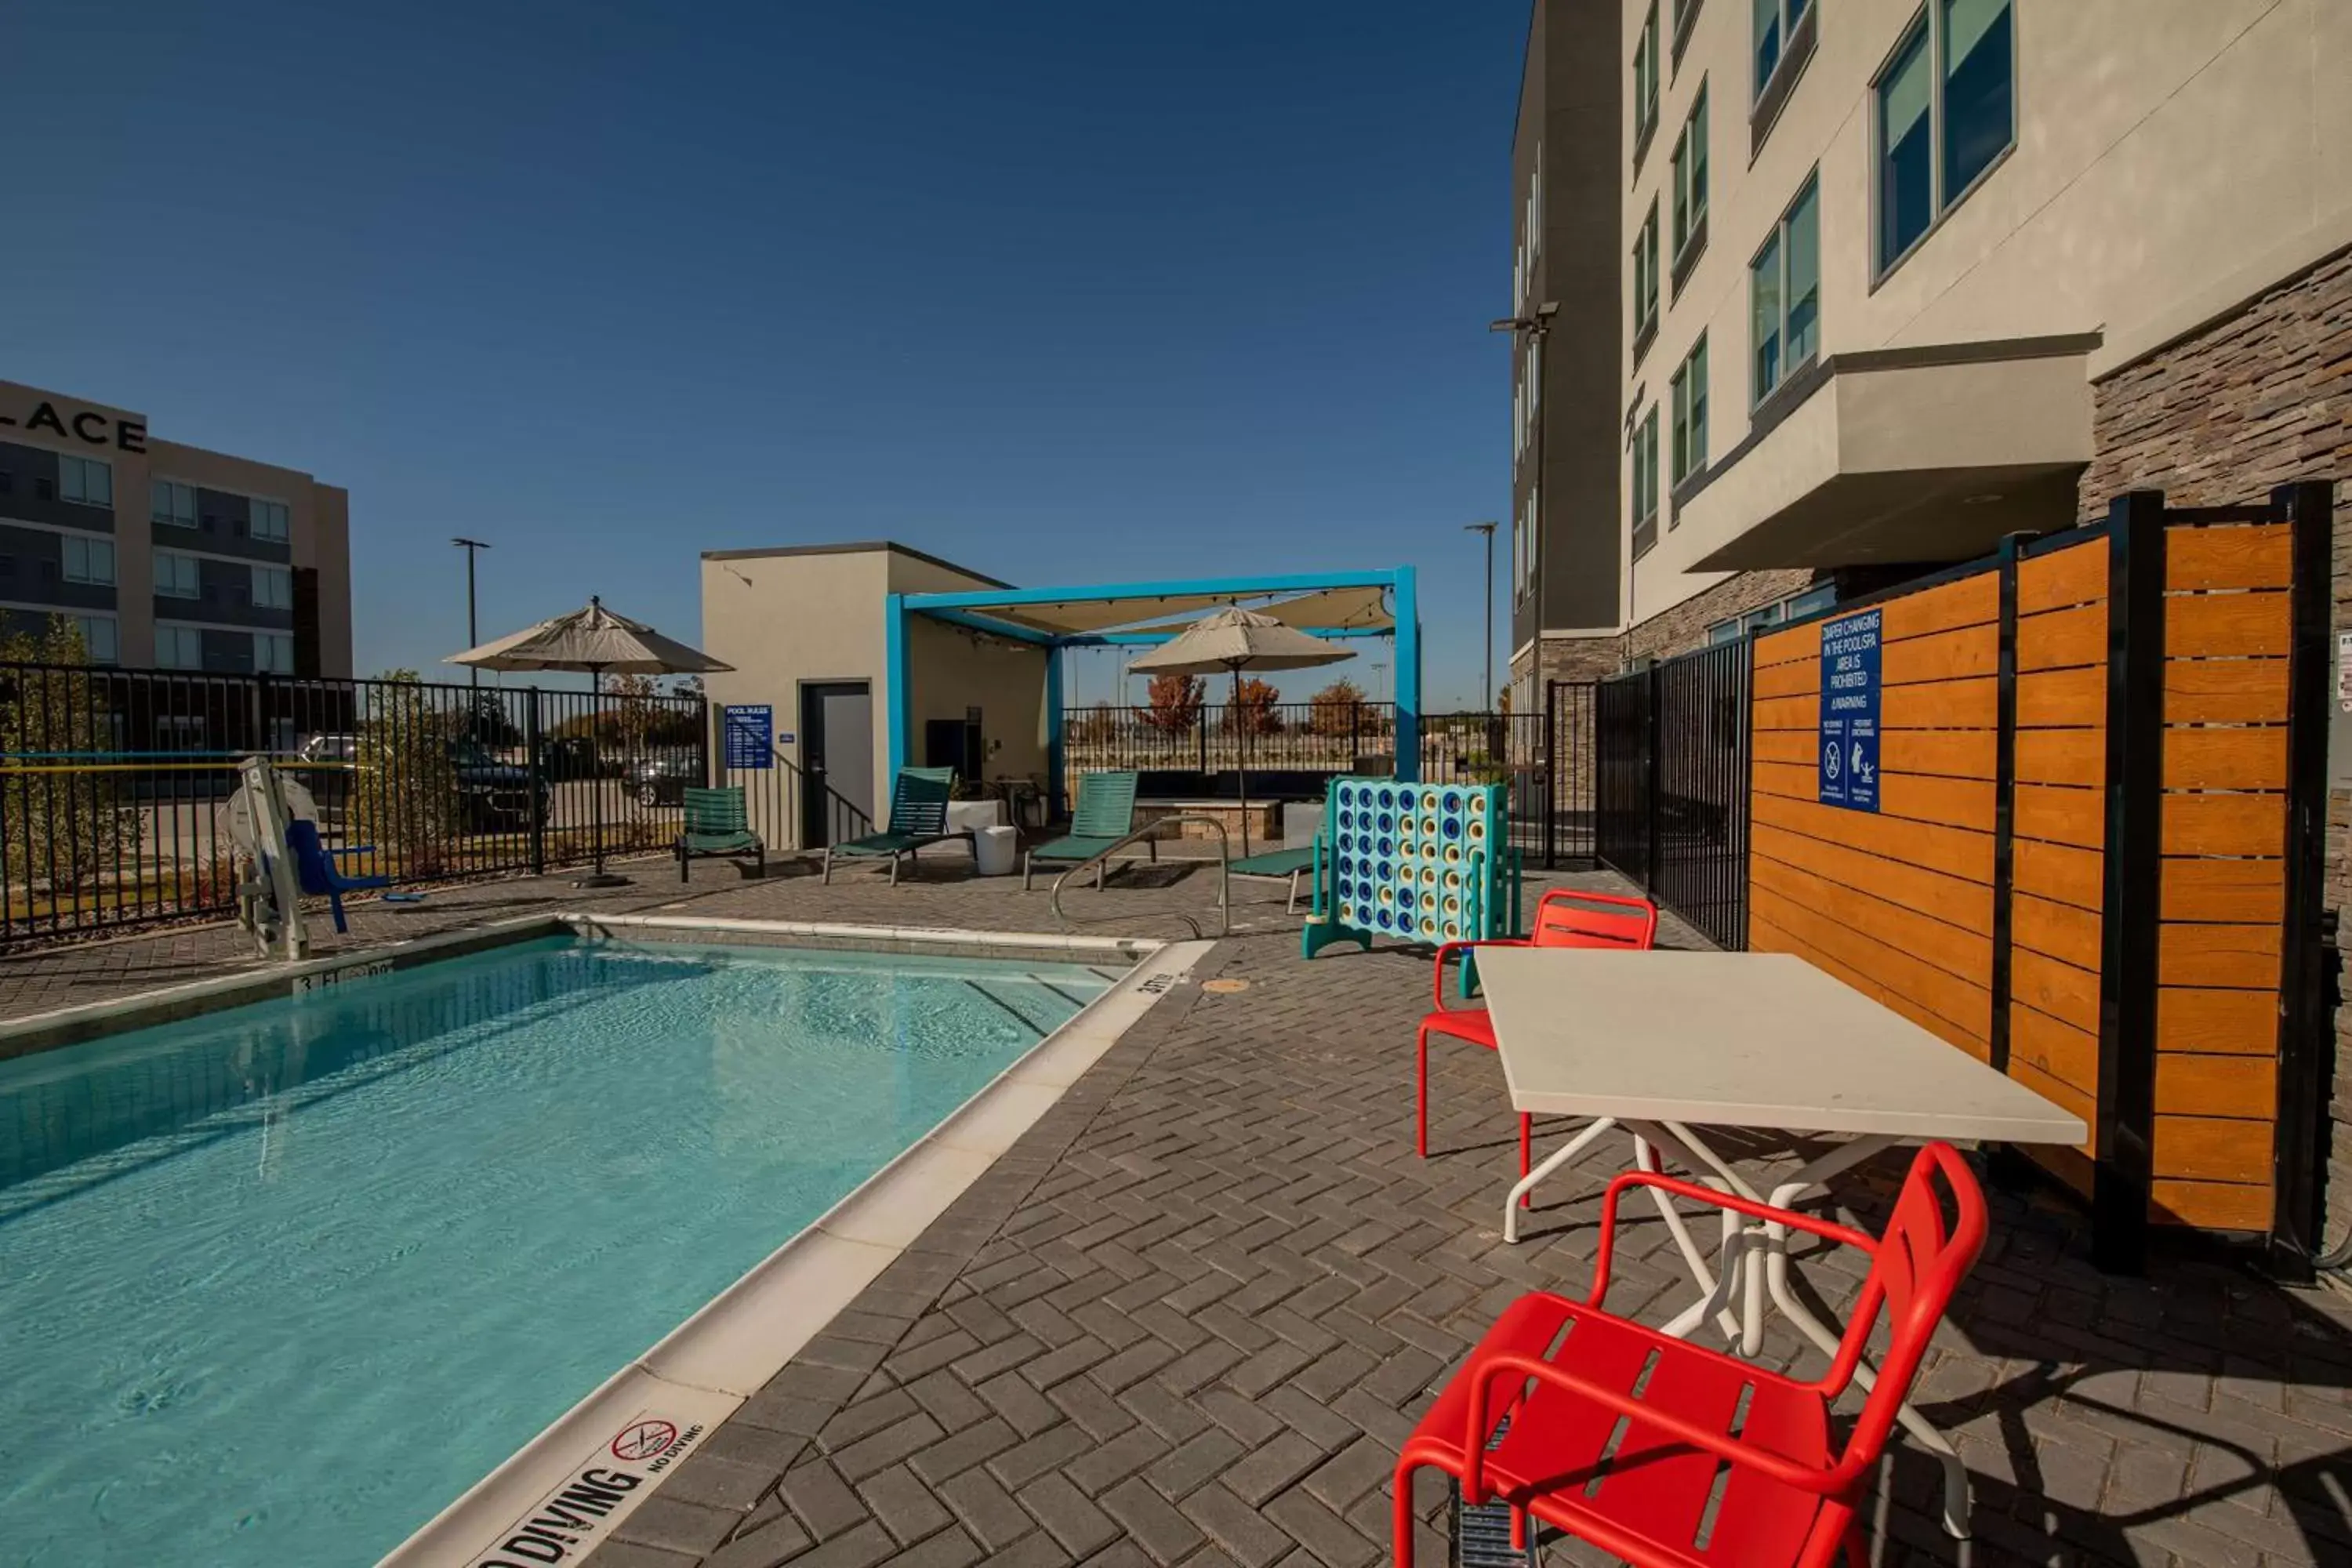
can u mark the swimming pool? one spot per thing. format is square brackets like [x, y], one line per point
[279, 1282]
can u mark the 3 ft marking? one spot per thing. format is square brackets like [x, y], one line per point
[305, 984]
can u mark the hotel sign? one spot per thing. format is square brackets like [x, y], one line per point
[88, 425]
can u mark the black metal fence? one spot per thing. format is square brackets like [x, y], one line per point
[115, 784]
[790, 810]
[1671, 789]
[1291, 749]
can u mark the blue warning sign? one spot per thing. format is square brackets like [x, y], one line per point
[1848, 740]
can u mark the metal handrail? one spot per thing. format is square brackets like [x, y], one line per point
[1224, 857]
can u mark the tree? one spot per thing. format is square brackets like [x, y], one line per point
[404, 779]
[59, 828]
[1252, 709]
[1336, 710]
[633, 713]
[1175, 703]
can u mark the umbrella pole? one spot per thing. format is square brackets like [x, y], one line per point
[1241, 754]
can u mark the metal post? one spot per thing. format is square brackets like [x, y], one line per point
[473, 631]
[541, 797]
[2307, 957]
[2131, 913]
[1652, 690]
[2004, 806]
[1552, 775]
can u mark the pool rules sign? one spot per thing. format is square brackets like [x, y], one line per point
[1849, 740]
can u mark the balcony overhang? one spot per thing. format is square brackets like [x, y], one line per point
[1899, 455]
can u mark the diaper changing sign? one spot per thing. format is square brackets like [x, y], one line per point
[1849, 740]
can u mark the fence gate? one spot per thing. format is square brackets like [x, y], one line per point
[1671, 804]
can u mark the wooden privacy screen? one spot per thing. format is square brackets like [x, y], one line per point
[2079, 878]
[1899, 904]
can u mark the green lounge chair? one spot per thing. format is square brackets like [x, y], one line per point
[1277, 864]
[717, 823]
[918, 819]
[1106, 815]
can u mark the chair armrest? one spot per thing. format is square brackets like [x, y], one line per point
[1696, 1193]
[350, 849]
[1516, 1367]
[1446, 951]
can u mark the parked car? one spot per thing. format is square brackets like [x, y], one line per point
[493, 795]
[661, 779]
[323, 766]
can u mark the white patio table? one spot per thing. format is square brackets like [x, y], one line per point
[1662, 1044]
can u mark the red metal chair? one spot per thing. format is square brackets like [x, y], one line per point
[1608, 919]
[1618, 1434]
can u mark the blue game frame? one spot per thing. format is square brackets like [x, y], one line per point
[971, 608]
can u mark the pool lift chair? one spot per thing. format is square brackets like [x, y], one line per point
[269, 895]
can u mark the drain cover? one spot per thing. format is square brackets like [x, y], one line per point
[1224, 988]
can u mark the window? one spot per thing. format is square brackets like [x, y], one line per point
[178, 576]
[1646, 282]
[273, 653]
[1945, 108]
[1690, 413]
[1784, 293]
[88, 481]
[269, 521]
[1776, 24]
[175, 506]
[1690, 179]
[1819, 597]
[179, 647]
[273, 588]
[89, 560]
[98, 638]
[1646, 83]
[1523, 540]
[1645, 483]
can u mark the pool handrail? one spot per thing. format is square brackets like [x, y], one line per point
[1225, 858]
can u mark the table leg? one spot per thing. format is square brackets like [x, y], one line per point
[1714, 1288]
[1775, 1271]
[1552, 1161]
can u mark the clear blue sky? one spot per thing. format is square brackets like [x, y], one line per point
[1060, 289]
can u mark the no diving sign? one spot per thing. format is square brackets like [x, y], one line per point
[1849, 736]
[604, 1486]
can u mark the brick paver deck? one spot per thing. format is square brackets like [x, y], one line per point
[1190, 1317]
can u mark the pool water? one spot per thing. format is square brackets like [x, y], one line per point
[277, 1284]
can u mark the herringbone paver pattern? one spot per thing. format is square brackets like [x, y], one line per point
[1189, 1318]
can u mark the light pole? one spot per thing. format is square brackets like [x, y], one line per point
[1531, 331]
[1486, 689]
[473, 633]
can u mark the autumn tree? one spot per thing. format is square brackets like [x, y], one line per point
[1175, 703]
[1336, 710]
[59, 828]
[1253, 710]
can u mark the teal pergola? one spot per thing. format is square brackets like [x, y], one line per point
[1337, 604]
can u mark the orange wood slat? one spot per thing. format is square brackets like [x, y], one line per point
[2067, 993]
[1799, 680]
[2220, 957]
[2058, 872]
[2192, 1018]
[2225, 625]
[2243, 1086]
[1764, 936]
[2054, 1047]
[1952, 900]
[2224, 690]
[2224, 825]
[2064, 1096]
[2048, 698]
[2222, 556]
[1938, 753]
[2060, 639]
[2213, 1148]
[2225, 758]
[1798, 645]
[2063, 757]
[1889, 972]
[1966, 802]
[2073, 577]
[1956, 852]
[2219, 891]
[2210, 1205]
[2058, 930]
[2071, 1166]
[1966, 953]
[2077, 816]
[1972, 601]
[1944, 656]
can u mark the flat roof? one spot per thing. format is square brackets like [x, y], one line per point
[856, 547]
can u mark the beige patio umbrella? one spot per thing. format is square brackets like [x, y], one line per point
[1236, 639]
[598, 642]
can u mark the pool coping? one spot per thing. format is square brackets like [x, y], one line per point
[701, 1372]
